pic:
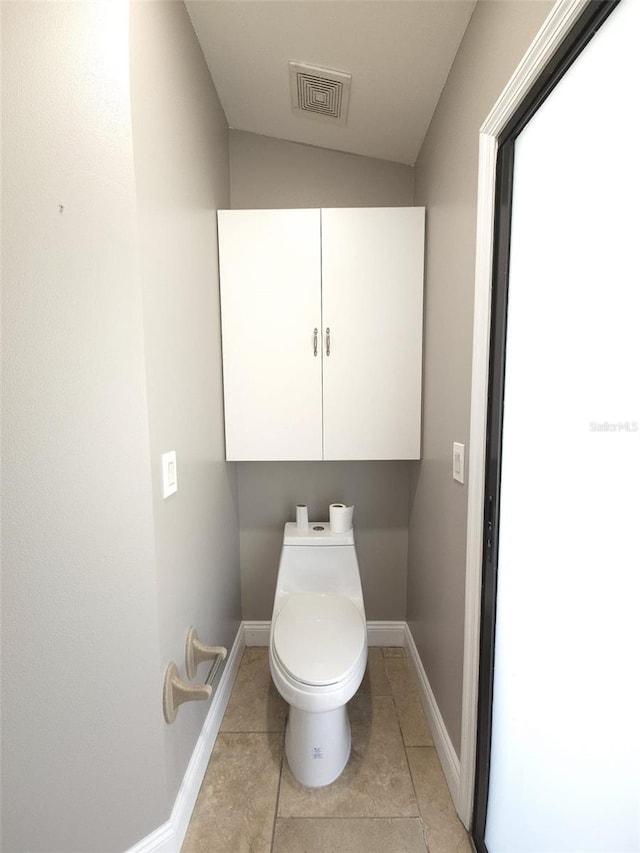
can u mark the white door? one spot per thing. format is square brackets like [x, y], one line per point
[372, 284]
[270, 303]
[565, 743]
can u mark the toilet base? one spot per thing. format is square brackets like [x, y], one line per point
[317, 746]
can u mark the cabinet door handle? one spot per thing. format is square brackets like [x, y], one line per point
[328, 333]
[315, 342]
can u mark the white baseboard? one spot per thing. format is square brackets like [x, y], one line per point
[257, 633]
[168, 838]
[161, 840]
[446, 753]
[385, 633]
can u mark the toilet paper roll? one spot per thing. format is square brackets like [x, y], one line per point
[340, 518]
[302, 517]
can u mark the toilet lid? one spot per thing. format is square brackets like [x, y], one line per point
[319, 638]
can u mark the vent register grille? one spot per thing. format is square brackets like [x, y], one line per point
[319, 91]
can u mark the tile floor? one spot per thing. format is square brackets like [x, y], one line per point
[391, 798]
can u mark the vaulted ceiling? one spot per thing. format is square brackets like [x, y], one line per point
[398, 53]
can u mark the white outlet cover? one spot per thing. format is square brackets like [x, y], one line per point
[458, 462]
[169, 474]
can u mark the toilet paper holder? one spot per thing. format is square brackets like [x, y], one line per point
[196, 652]
[176, 691]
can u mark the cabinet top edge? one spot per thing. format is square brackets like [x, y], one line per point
[258, 210]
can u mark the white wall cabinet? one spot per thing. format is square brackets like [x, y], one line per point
[322, 332]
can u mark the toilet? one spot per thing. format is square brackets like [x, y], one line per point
[318, 647]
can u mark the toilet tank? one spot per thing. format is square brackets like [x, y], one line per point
[318, 561]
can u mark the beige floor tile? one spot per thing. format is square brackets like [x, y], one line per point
[235, 809]
[376, 781]
[255, 704]
[349, 835]
[393, 652]
[413, 723]
[445, 833]
[375, 678]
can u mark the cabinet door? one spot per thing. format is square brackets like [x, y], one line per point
[270, 302]
[372, 285]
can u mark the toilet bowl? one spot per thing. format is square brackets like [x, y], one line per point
[318, 647]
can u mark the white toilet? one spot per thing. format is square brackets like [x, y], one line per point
[318, 647]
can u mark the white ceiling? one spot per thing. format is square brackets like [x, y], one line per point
[398, 52]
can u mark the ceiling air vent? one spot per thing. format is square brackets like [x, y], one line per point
[319, 91]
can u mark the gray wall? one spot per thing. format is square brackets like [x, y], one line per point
[272, 173]
[111, 355]
[82, 743]
[182, 173]
[446, 183]
[268, 172]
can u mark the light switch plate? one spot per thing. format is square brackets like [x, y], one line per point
[169, 474]
[458, 462]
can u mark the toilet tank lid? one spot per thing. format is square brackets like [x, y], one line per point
[318, 533]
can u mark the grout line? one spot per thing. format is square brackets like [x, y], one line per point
[275, 814]
[354, 816]
[252, 732]
[415, 792]
[393, 698]
[413, 679]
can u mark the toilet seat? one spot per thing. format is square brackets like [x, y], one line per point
[318, 639]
